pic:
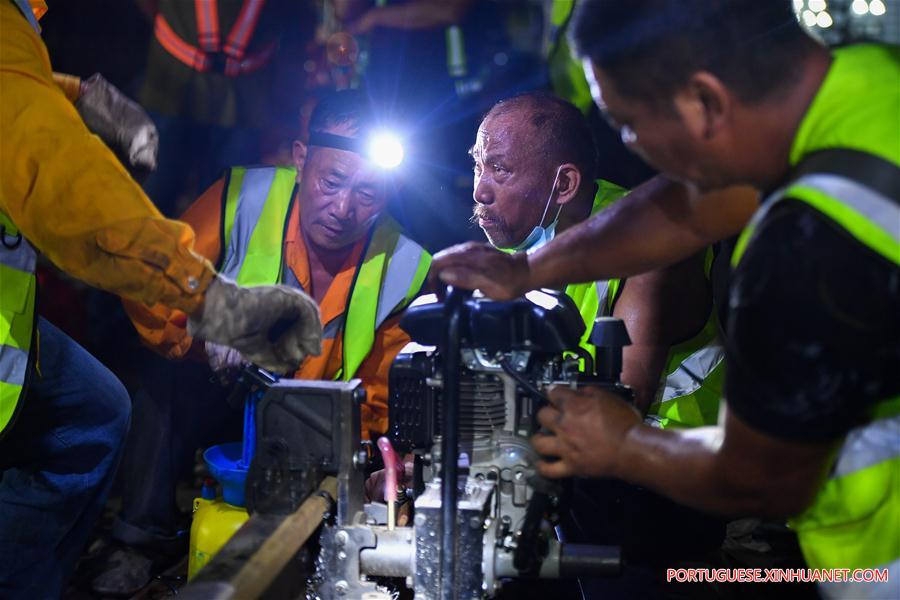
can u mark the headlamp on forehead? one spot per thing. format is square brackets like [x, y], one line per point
[382, 147]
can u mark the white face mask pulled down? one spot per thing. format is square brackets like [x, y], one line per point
[540, 235]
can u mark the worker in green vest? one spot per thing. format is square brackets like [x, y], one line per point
[720, 93]
[63, 194]
[320, 226]
[535, 161]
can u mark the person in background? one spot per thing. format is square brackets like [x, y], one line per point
[63, 415]
[716, 93]
[221, 78]
[321, 227]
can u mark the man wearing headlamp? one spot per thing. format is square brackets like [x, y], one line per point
[320, 227]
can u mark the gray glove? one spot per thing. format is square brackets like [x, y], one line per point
[222, 358]
[273, 326]
[120, 122]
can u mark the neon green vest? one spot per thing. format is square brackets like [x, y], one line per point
[566, 72]
[694, 371]
[256, 209]
[18, 287]
[855, 519]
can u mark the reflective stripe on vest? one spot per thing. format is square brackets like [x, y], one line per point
[207, 13]
[17, 297]
[855, 519]
[257, 203]
[203, 58]
[392, 271]
[694, 371]
[870, 217]
[391, 275]
[857, 505]
[694, 377]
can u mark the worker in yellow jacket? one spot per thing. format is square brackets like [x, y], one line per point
[63, 416]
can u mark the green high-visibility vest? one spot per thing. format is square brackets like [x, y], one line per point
[257, 203]
[566, 72]
[854, 522]
[694, 371]
[18, 287]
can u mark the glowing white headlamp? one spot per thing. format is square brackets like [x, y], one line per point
[382, 147]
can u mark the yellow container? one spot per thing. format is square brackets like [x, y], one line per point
[213, 524]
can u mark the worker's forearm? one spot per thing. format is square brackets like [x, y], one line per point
[738, 472]
[659, 223]
[683, 465]
[637, 234]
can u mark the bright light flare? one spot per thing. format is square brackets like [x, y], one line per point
[386, 150]
[877, 8]
[860, 7]
[817, 5]
[809, 17]
[824, 20]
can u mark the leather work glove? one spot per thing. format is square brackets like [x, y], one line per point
[120, 122]
[222, 358]
[273, 326]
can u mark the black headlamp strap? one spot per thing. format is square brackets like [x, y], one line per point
[339, 142]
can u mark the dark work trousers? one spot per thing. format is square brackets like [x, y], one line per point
[57, 465]
[177, 409]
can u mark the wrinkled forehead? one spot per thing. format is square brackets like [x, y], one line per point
[502, 135]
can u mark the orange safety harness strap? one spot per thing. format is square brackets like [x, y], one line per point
[230, 60]
[207, 12]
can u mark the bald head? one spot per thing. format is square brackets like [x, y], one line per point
[557, 132]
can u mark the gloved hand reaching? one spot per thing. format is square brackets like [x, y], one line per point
[119, 121]
[273, 326]
[222, 358]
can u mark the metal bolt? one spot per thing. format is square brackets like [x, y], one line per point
[342, 555]
[419, 520]
[361, 459]
[474, 522]
[341, 538]
[341, 587]
[193, 283]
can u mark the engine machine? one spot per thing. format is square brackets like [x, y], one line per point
[463, 403]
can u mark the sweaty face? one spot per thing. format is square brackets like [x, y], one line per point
[658, 135]
[511, 185]
[341, 195]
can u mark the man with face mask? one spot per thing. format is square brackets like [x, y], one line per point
[535, 168]
[321, 227]
[529, 141]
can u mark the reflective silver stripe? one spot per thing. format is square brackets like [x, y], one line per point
[22, 258]
[692, 372]
[875, 207]
[251, 200]
[13, 364]
[864, 590]
[401, 270]
[868, 445]
[602, 288]
[333, 327]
